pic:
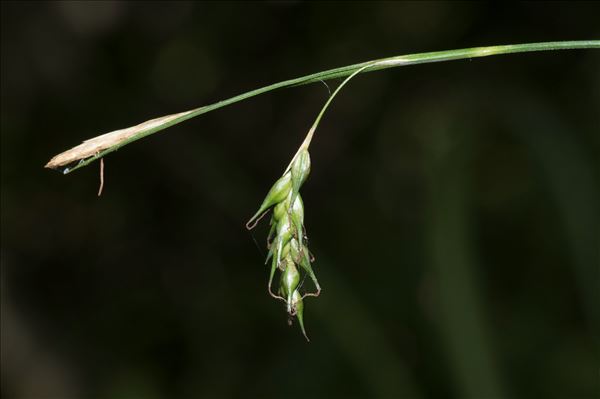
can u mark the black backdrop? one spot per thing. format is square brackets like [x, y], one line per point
[452, 208]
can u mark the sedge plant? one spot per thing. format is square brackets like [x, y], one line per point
[287, 241]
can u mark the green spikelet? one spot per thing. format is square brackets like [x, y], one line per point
[288, 251]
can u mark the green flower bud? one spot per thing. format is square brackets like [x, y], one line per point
[278, 193]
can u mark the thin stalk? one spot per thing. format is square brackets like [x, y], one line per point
[97, 147]
[311, 132]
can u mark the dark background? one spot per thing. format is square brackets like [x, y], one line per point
[452, 208]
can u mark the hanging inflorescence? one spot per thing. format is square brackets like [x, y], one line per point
[287, 241]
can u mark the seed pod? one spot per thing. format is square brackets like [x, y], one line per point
[290, 279]
[280, 209]
[278, 193]
[305, 264]
[285, 250]
[300, 171]
[297, 215]
[283, 207]
[297, 211]
[298, 310]
[294, 250]
[284, 230]
[301, 257]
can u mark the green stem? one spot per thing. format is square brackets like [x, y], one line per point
[384, 63]
[306, 143]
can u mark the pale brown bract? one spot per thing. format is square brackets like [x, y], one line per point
[100, 143]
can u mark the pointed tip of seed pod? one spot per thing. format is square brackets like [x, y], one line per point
[298, 306]
[250, 224]
[278, 192]
[301, 322]
[269, 255]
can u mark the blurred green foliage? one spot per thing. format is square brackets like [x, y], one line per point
[453, 208]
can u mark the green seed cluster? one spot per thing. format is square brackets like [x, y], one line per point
[286, 242]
